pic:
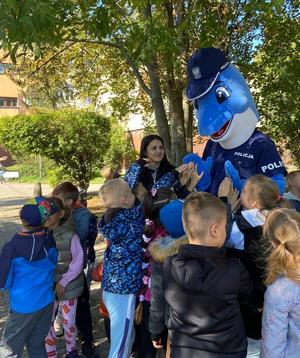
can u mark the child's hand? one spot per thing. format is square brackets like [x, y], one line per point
[186, 174]
[225, 188]
[59, 289]
[234, 200]
[157, 344]
[181, 168]
[195, 178]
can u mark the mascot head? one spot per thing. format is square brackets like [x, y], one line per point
[224, 106]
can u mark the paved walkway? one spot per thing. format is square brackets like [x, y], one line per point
[12, 197]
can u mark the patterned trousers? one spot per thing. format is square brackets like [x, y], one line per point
[68, 309]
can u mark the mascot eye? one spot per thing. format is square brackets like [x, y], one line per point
[222, 94]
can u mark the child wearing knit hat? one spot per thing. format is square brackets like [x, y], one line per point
[27, 265]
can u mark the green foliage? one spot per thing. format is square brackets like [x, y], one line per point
[28, 167]
[58, 175]
[276, 74]
[76, 140]
[103, 40]
[43, 85]
[121, 151]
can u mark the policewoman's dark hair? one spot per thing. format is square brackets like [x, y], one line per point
[144, 144]
[155, 200]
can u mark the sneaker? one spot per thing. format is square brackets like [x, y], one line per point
[89, 350]
[58, 327]
[73, 354]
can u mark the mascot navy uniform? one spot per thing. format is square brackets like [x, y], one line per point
[226, 112]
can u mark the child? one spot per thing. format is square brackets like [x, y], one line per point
[260, 195]
[108, 173]
[164, 211]
[293, 186]
[69, 285]
[281, 314]
[164, 245]
[203, 286]
[86, 229]
[153, 230]
[122, 225]
[27, 265]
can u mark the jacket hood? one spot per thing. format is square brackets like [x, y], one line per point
[81, 214]
[165, 246]
[197, 268]
[31, 246]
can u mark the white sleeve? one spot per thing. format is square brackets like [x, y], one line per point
[236, 238]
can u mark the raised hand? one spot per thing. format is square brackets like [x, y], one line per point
[181, 168]
[225, 188]
[195, 179]
[234, 200]
[186, 174]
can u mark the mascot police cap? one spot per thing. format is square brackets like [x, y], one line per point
[219, 95]
[204, 66]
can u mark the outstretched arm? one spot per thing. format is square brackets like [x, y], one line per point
[132, 175]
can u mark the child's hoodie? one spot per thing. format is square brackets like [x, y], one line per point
[27, 266]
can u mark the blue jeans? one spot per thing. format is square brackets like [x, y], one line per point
[121, 309]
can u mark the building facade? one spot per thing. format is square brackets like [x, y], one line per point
[11, 99]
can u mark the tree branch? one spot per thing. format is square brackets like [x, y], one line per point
[51, 58]
[123, 50]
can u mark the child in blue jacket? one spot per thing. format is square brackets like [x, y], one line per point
[27, 265]
[122, 225]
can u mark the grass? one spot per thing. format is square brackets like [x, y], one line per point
[29, 173]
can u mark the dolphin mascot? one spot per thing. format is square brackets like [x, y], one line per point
[227, 114]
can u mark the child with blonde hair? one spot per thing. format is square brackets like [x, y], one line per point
[281, 314]
[122, 225]
[260, 195]
[293, 187]
[293, 184]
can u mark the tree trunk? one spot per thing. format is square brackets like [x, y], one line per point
[159, 109]
[188, 122]
[176, 123]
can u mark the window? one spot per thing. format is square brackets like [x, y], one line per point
[8, 102]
